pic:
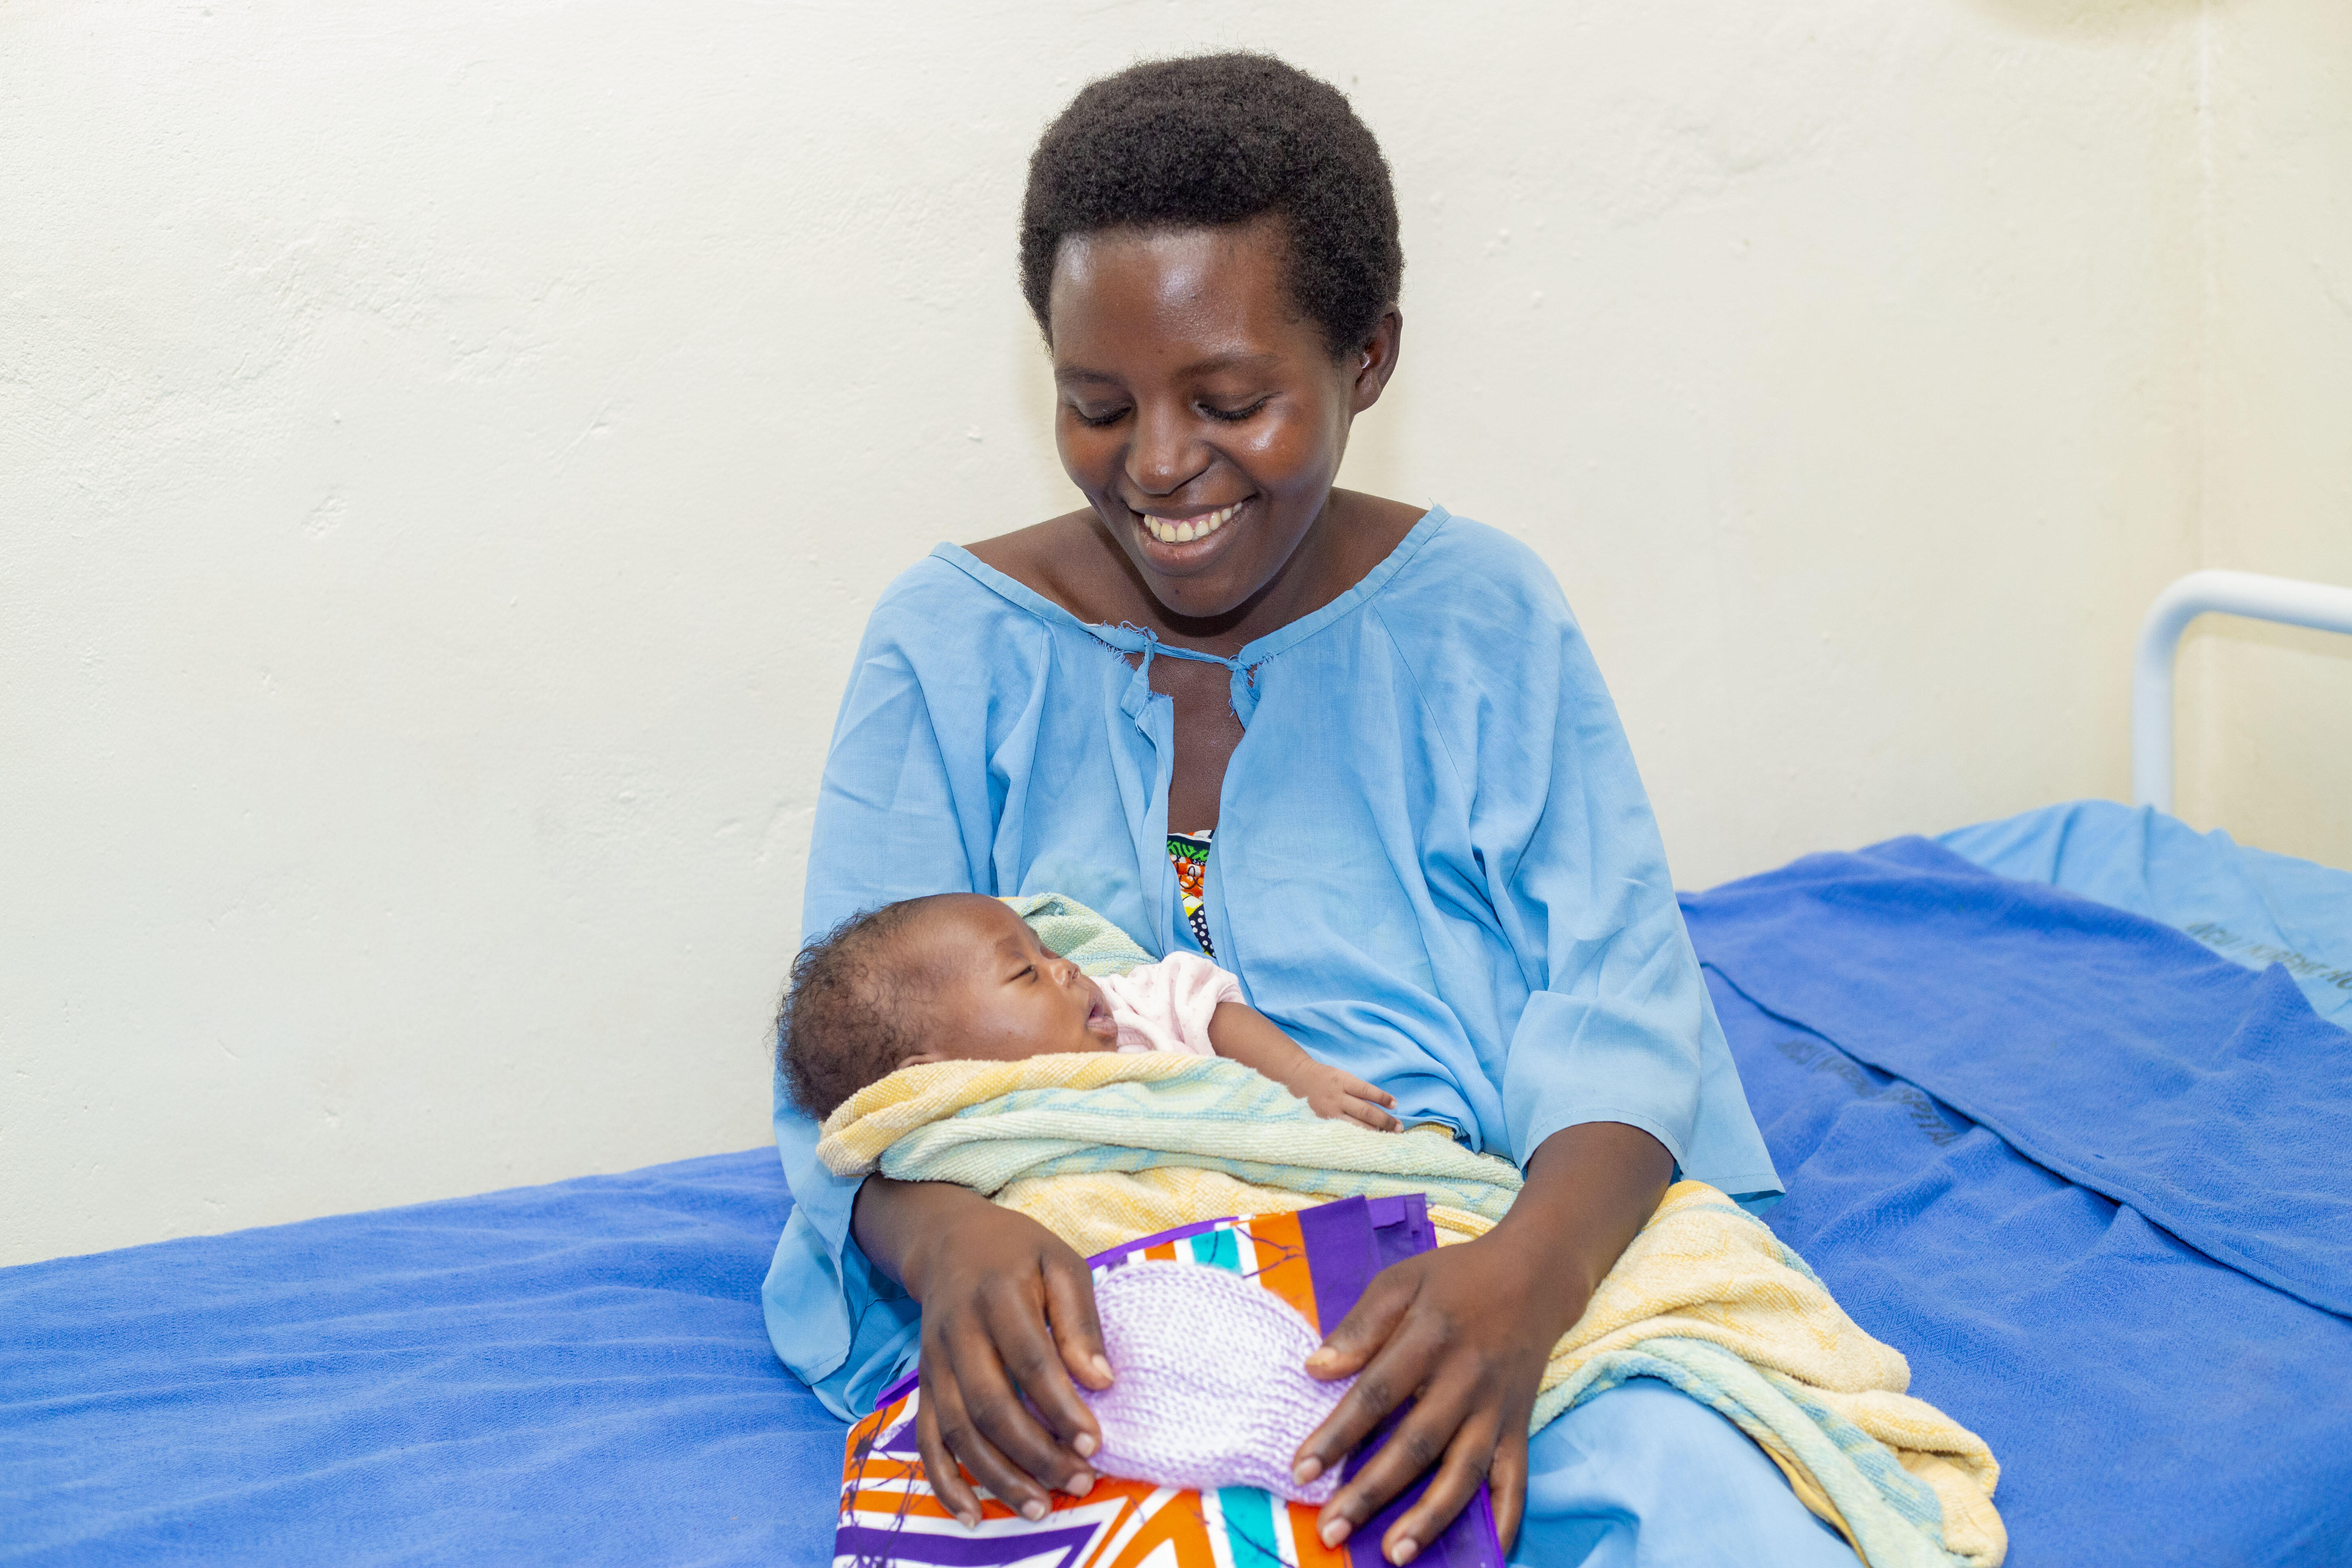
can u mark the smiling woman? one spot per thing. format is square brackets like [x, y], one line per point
[1432, 863]
[1205, 419]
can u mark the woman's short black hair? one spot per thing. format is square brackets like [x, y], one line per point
[1212, 139]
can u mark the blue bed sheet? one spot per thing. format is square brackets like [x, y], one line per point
[2249, 905]
[1905, 1023]
[574, 1373]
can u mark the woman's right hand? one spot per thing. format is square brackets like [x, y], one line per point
[1008, 1313]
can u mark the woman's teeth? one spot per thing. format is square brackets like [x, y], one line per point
[1183, 531]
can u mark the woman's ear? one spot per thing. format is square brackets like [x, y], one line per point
[1376, 360]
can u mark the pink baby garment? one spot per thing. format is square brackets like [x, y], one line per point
[1166, 1006]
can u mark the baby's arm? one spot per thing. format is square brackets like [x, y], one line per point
[1249, 1037]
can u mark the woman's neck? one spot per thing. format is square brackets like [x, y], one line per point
[1073, 560]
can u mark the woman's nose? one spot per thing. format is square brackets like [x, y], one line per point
[1163, 454]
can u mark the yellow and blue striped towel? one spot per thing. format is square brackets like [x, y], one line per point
[1102, 1148]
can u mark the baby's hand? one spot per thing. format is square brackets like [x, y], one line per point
[1338, 1095]
[1246, 1036]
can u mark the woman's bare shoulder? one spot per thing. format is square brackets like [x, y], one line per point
[1068, 561]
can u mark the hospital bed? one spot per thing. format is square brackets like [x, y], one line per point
[2058, 1102]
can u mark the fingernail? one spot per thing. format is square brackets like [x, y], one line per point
[1306, 1471]
[1079, 1485]
[969, 1520]
[1336, 1531]
[1404, 1551]
[1102, 1368]
[1032, 1510]
[1085, 1444]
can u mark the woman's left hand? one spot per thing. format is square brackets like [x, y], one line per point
[1457, 1328]
[1465, 1332]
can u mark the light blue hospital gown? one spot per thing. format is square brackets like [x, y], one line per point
[1434, 866]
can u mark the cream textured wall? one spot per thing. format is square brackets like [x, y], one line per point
[448, 451]
[2265, 744]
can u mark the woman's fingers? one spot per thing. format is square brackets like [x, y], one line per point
[939, 1461]
[1507, 1482]
[1419, 1442]
[982, 1419]
[1388, 1370]
[1015, 1355]
[1361, 1333]
[1466, 1463]
[1077, 1332]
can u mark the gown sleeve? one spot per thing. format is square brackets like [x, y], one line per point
[1617, 1024]
[891, 823]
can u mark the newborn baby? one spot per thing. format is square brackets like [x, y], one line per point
[961, 977]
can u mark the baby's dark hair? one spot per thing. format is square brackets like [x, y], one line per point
[1208, 141]
[853, 1009]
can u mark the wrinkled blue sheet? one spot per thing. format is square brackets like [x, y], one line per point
[574, 1373]
[2249, 905]
[2150, 1404]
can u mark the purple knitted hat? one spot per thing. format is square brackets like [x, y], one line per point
[1212, 1388]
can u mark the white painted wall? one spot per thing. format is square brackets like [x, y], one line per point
[2266, 731]
[448, 451]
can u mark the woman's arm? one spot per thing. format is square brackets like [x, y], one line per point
[1008, 1310]
[1251, 1038]
[1612, 1072]
[1470, 1328]
[893, 820]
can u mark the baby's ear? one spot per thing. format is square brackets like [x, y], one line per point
[922, 1058]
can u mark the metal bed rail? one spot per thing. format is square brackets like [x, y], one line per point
[2320, 606]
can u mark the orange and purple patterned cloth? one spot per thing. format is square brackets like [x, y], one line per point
[1316, 1262]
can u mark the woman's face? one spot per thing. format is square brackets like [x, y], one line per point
[1201, 414]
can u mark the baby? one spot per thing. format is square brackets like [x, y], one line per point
[961, 977]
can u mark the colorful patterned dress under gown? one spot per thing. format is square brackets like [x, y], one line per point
[1190, 854]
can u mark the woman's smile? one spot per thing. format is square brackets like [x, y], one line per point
[1178, 543]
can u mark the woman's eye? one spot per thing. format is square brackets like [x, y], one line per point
[1097, 418]
[1233, 416]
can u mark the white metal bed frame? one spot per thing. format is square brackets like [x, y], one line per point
[2320, 606]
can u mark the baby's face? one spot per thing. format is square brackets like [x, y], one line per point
[1002, 996]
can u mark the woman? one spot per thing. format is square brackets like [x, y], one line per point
[1427, 854]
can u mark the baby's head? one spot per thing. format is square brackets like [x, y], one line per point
[954, 977]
